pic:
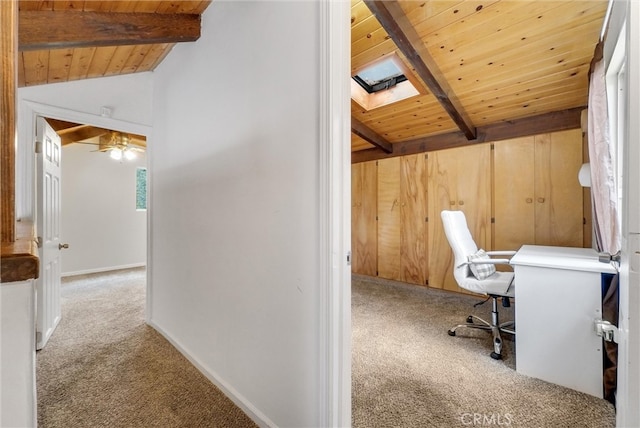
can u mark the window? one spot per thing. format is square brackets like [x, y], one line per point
[141, 189]
[617, 98]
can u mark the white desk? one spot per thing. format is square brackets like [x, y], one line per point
[558, 296]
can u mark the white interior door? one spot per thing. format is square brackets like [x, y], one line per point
[48, 154]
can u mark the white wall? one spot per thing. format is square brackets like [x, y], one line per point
[129, 96]
[18, 354]
[234, 225]
[99, 217]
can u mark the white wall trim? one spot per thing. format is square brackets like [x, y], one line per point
[149, 294]
[335, 219]
[628, 393]
[28, 111]
[102, 269]
[238, 399]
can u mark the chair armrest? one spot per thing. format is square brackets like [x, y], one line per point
[501, 253]
[486, 261]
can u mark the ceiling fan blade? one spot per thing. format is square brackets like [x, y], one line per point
[85, 142]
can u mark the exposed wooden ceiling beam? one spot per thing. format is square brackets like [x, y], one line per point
[397, 25]
[40, 30]
[81, 134]
[540, 124]
[366, 133]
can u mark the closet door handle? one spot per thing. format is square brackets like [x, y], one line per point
[460, 202]
[541, 200]
[529, 200]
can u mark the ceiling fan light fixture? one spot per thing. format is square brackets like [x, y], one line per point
[115, 154]
[129, 154]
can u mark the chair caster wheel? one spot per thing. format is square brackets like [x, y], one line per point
[451, 332]
[496, 356]
[469, 319]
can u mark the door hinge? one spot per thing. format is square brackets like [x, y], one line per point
[38, 147]
[38, 336]
[493, 220]
[39, 241]
[348, 258]
[606, 330]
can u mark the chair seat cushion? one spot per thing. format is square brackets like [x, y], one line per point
[483, 270]
[500, 284]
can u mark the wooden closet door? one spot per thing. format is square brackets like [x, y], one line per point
[514, 212]
[458, 179]
[442, 187]
[413, 212]
[474, 191]
[558, 200]
[364, 248]
[389, 264]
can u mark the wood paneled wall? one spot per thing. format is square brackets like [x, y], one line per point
[8, 53]
[364, 237]
[389, 218]
[413, 217]
[513, 192]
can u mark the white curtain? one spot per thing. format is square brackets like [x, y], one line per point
[603, 176]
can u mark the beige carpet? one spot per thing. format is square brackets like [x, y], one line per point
[104, 367]
[407, 372]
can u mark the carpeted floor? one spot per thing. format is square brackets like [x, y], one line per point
[407, 372]
[104, 367]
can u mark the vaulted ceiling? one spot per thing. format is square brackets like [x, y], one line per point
[65, 40]
[484, 66]
[480, 67]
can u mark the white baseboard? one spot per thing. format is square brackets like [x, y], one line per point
[102, 269]
[238, 399]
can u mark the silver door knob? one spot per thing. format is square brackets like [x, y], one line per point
[61, 246]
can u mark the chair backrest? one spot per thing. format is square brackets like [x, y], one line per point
[460, 240]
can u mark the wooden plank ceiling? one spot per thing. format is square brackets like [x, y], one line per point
[64, 40]
[481, 66]
[484, 64]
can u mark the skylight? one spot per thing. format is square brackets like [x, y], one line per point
[378, 77]
[385, 81]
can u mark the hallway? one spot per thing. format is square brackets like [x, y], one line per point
[104, 366]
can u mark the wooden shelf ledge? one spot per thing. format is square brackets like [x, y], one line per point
[19, 260]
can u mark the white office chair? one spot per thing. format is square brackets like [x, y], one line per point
[474, 270]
